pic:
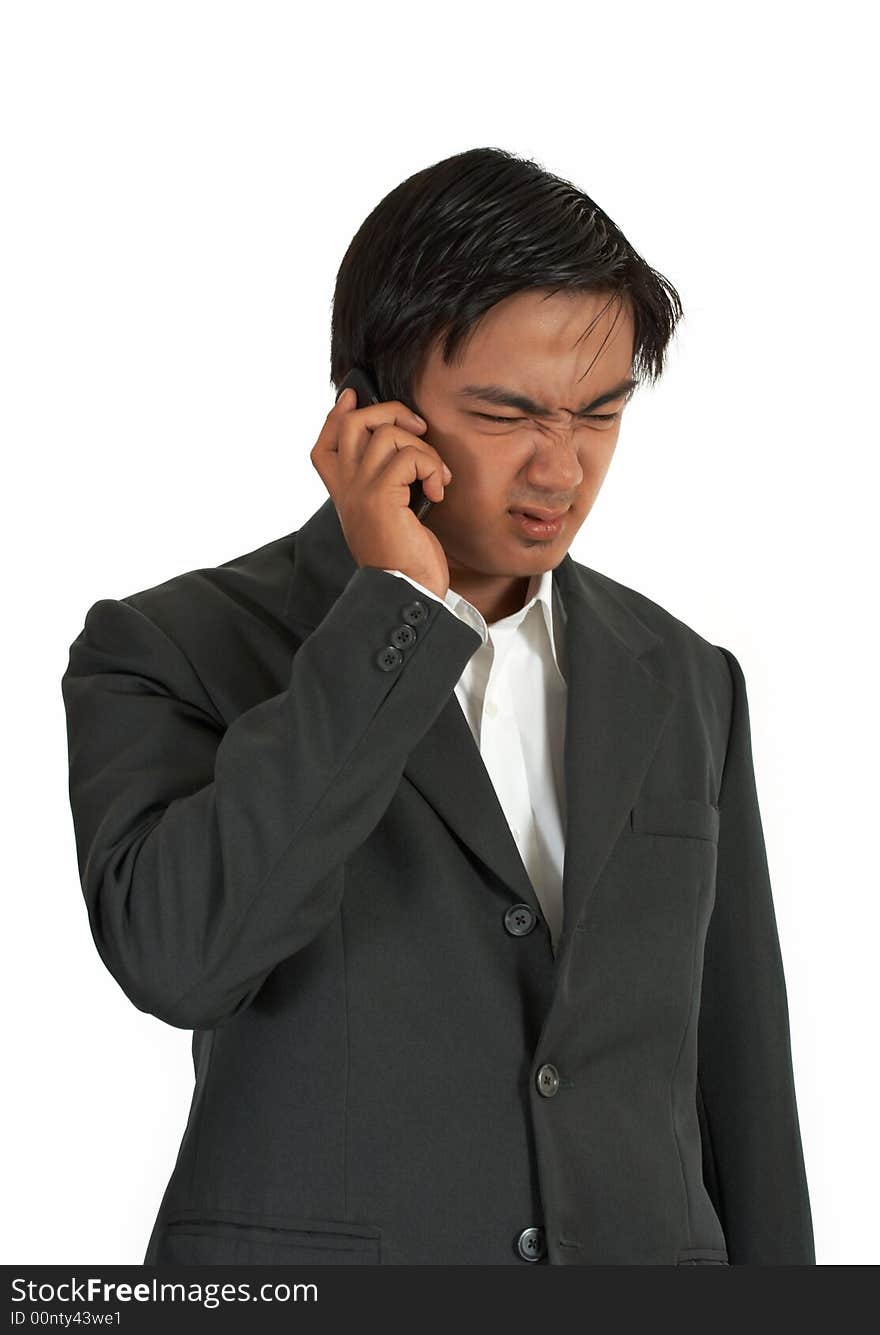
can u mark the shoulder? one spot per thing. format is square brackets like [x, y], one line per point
[202, 632]
[250, 587]
[680, 653]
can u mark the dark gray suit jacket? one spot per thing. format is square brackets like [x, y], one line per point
[288, 843]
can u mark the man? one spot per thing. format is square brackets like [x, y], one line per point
[446, 846]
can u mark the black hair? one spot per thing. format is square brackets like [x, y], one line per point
[454, 239]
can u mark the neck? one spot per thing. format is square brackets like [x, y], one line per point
[494, 596]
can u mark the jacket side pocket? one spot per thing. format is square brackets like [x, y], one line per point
[199, 1238]
[702, 1256]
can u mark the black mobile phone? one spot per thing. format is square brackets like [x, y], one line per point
[364, 387]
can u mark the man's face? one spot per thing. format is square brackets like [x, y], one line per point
[532, 345]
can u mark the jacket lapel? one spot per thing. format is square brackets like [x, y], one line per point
[616, 709]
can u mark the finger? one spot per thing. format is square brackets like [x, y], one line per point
[355, 443]
[346, 429]
[355, 428]
[408, 464]
[387, 440]
[372, 415]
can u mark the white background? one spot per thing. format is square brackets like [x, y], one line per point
[180, 183]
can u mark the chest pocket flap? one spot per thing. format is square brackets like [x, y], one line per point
[682, 816]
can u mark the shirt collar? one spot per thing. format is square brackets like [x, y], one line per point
[540, 590]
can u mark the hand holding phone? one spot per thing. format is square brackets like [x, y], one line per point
[365, 388]
[370, 459]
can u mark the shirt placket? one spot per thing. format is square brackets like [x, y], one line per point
[502, 750]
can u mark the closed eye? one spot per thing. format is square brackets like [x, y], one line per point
[589, 417]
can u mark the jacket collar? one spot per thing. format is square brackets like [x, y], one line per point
[616, 709]
[542, 593]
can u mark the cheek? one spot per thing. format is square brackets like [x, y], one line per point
[472, 497]
[595, 457]
[473, 494]
[481, 471]
[461, 456]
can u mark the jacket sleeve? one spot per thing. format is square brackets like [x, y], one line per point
[207, 853]
[455, 606]
[754, 1159]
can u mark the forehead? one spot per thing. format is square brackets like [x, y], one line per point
[549, 347]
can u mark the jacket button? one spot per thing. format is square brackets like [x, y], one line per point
[547, 1080]
[520, 919]
[530, 1244]
[389, 658]
[414, 613]
[403, 637]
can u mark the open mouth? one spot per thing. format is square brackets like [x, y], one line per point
[535, 526]
[541, 516]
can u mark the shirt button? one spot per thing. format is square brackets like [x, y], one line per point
[530, 1244]
[414, 613]
[389, 658]
[547, 1080]
[520, 919]
[403, 637]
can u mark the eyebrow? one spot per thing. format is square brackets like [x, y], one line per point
[508, 398]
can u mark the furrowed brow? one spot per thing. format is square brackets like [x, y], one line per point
[508, 398]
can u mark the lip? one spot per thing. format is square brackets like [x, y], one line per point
[545, 516]
[539, 528]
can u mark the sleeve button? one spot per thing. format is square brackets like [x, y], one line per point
[414, 613]
[403, 637]
[389, 658]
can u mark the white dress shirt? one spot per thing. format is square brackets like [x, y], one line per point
[513, 693]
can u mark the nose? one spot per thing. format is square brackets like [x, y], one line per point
[554, 466]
